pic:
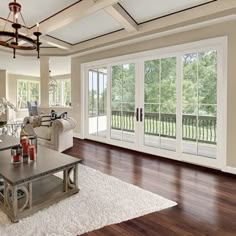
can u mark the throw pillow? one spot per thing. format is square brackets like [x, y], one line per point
[46, 120]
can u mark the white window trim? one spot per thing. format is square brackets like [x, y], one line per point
[219, 43]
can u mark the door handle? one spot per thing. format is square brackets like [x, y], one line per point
[141, 114]
[137, 114]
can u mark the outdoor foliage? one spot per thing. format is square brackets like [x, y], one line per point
[27, 91]
[97, 91]
[199, 85]
[160, 85]
[60, 95]
[123, 87]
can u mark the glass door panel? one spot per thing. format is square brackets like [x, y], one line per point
[199, 103]
[97, 93]
[160, 103]
[123, 102]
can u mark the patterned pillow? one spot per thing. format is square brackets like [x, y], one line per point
[46, 120]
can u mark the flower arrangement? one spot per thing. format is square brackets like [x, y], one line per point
[4, 104]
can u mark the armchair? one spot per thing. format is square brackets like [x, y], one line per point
[58, 135]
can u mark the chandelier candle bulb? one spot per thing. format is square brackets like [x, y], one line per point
[37, 27]
[16, 17]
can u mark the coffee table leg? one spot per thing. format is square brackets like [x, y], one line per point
[11, 200]
[30, 194]
[76, 171]
[67, 182]
[14, 203]
[5, 194]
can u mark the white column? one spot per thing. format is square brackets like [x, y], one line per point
[3, 82]
[44, 79]
[77, 96]
[4, 89]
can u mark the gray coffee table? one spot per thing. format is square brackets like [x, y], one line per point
[41, 188]
[8, 142]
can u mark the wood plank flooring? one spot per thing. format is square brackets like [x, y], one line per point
[206, 198]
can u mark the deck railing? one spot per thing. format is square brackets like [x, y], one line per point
[164, 125]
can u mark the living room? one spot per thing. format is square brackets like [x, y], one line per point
[133, 101]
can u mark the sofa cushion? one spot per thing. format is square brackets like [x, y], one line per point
[43, 132]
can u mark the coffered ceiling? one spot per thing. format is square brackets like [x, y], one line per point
[143, 11]
[75, 27]
[98, 24]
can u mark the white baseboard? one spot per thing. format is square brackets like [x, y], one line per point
[78, 135]
[229, 169]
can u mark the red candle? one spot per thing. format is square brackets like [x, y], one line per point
[32, 152]
[16, 158]
[24, 143]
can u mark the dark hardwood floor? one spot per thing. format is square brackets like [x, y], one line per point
[206, 198]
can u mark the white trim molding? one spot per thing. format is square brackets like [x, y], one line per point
[229, 169]
[77, 135]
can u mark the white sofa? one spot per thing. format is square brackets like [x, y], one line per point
[57, 136]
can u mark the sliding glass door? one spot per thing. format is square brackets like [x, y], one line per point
[160, 103]
[123, 102]
[163, 105]
[199, 103]
[97, 99]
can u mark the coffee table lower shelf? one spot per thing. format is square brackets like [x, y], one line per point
[38, 194]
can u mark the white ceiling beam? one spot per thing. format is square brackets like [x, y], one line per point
[121, 16]
[55, 42]
[76, 12]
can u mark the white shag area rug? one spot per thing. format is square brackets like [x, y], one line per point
[102, 200]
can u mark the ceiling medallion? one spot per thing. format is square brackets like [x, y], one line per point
[14, 39]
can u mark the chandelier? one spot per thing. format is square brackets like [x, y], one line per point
[14, 39]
